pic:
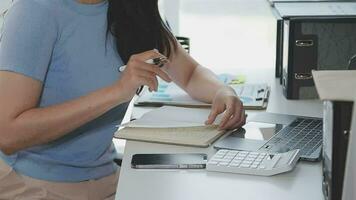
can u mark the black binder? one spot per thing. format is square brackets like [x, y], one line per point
[312, 36]
[337, 121]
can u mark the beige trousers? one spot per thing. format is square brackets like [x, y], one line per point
[14, 186]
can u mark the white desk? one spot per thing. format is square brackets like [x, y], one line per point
[303, 183]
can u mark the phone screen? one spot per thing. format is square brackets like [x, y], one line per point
[169, 161]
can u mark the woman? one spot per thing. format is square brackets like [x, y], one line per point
[61, 93]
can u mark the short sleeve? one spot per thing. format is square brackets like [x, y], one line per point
[28, 37]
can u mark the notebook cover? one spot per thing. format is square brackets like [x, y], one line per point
[201, 136]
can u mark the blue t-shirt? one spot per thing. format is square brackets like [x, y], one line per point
[65, 45]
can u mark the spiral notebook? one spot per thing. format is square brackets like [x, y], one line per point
[173, 125]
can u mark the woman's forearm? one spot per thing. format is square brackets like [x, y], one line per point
[41, 125]
[207, 91]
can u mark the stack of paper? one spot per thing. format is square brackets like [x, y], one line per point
[253, 96]
[173, 125]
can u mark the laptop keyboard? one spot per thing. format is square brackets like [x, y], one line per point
[303, 133]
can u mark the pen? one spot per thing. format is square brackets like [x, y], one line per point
[160, 62]
[157, 61]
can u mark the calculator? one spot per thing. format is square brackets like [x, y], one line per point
[253, 163]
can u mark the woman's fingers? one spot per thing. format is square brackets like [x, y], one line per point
[236, 121]
[150, 79]
[215, 111]
[152, 83]
[155, 69]
[234, 115]
[229, 113]
[151, 54]
[138, 72]
[139, 61]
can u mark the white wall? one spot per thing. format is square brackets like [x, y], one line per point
[170, 10]
[229, 36]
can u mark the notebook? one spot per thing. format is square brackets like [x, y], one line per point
[173, 125]
[253, 96]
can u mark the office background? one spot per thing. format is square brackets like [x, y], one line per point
[240, 34]
[229, 28]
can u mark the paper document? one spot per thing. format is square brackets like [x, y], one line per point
[253, 96]
[173, 117]
[335, 85]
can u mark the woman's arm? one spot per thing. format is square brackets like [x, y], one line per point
[199, 82]
[202, 84]
[23, 124]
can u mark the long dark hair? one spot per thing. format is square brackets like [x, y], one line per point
[137, 27]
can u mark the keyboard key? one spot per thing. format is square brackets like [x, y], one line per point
[238, 158]
[236, 162]
[256, 163]
[213, 162]
[223, 164]
[218, 159]
[260, 157]
[244, 165]
[231, 153]
[243, 153]
[254, 154]
[246, 162]
[254, 166]
[220, 155]
[226, 160]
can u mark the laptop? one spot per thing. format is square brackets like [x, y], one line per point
[268, 132]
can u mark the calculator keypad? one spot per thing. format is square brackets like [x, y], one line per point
[253, 163]
[240, 159]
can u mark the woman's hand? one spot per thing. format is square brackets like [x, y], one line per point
[138, 73]
[227, 101]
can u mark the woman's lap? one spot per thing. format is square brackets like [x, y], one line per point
[18, 187]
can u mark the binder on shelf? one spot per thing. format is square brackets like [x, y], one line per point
[313, 36]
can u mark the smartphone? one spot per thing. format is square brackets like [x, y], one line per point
[169, 161]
